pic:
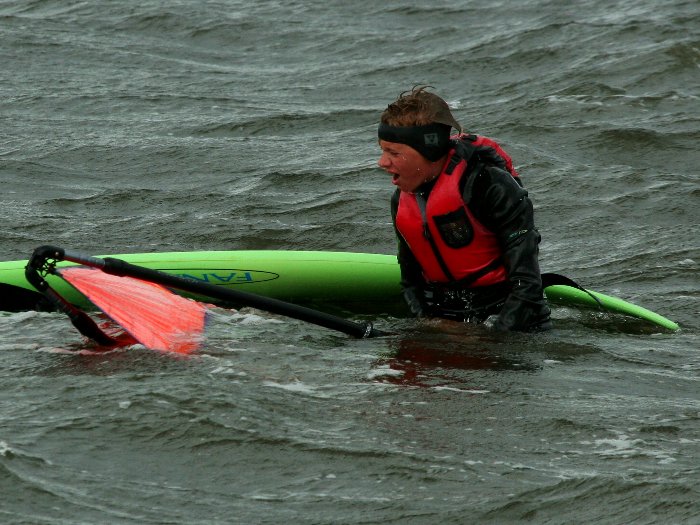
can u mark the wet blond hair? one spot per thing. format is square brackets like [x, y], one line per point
[419, 107]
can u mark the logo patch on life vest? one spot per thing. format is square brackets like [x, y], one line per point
[455, 228]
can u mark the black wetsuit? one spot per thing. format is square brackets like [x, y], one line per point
[501, 204]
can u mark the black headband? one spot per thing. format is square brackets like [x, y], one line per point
[432, 140]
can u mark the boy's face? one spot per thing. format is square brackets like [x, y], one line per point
[409, 168]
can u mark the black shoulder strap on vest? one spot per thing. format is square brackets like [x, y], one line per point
[552, 279]
[452, 164]
[463, 149]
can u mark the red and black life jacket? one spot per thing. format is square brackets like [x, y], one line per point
[448, 242]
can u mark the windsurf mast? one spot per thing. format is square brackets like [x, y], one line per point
[119, 267]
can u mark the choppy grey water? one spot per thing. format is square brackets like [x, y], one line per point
[159, 125]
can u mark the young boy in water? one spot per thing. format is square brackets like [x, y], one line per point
[468, 246]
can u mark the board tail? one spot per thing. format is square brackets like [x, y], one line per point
[154, 316]
[558, 287]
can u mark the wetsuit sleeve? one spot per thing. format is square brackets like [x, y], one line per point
[504, 207]
[411, 274]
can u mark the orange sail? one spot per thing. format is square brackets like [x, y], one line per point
[152, 314]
